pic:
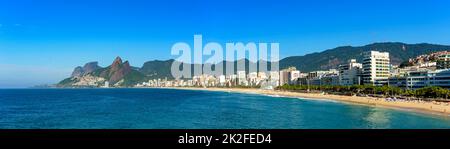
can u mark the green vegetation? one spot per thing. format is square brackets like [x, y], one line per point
[133, 78]
[432, 92]
[426, 92]
[399, 52]
[98, 72]
[328, 59]
[65, 82]
[157, 69]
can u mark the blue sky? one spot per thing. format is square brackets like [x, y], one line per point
[42, 41]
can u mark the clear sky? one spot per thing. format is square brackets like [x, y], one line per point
[42, 41]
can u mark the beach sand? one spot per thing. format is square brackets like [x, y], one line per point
[420, 106]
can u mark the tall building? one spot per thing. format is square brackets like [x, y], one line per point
[349, 74]
[222, 80]
[262, 75]
[274, 76]
[289, 76]
[106, 84]
[242, 79]
[376, 66]
[293, 76]
[252, 78]
[284, 77]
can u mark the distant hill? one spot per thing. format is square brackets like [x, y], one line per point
[126, 75]
[87, 68]
[328, 59]
[157, 69]
[117, 74]
[162, 69]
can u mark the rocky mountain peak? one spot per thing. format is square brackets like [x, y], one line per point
[117, 61]
[87, 68]
[126, 64]
[117, 70]
[90, 67]
[117, 74]
[77, 72]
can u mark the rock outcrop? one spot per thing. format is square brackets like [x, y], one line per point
[87, 68]
[116, 71]
[91, 75]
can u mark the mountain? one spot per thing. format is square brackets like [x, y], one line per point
[157, 69]
[122, 74]
[162, 69]
[118, 74]
[87, 68]
[328, 59]
[115, 72]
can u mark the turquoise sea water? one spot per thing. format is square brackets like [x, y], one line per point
[169, 108]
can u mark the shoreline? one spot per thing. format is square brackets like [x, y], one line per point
[434, 108]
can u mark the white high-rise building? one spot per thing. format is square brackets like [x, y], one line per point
[286, 75]
[222, 80]
[242, 79]
[262, 76]
[106, 84]
[252, 78]
[293, 76]
[349, 74]
[376, 67]
[274, 76]
[241, 75]
[252, 75]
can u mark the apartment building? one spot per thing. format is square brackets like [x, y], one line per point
[350, 73]
[422, 78]
[375, 68]
[289, 76]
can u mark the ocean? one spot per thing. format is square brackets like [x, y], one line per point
[190, 109]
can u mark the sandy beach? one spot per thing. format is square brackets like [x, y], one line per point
[420, 106]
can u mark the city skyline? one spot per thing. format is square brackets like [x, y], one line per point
[41, 42]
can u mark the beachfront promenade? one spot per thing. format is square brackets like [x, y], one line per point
[432, 107]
